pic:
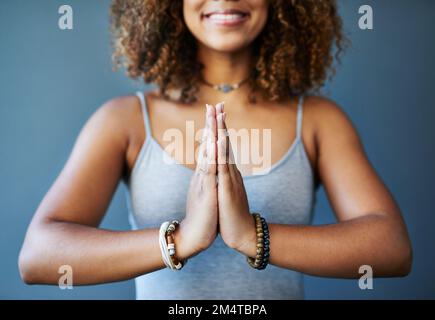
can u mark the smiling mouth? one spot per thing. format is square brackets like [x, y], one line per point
[226, 18]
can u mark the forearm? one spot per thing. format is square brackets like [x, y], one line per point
[338, 250]
[95, 255]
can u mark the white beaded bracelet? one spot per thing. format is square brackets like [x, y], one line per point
[168, 250]
[163, 246]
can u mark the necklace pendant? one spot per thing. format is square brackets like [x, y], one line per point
[226, 88]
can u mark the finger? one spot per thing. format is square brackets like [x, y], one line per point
[222, 142]
[201, 166]
[230, 157]
[220, 107]
[211, 141]
[232, 166]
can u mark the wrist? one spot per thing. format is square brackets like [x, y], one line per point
[184, 244]
[261, 259]
[248, 244]
[182, 252]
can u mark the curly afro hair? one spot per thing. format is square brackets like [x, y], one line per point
[294, 53]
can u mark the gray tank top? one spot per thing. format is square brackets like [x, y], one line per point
[157, 192]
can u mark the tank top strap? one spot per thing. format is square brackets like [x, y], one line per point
[299, 117]
[145, 115]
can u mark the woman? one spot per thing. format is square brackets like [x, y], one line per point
[262, 58]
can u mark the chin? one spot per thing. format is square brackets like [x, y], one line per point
[224, 44]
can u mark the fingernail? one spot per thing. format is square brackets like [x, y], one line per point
[221, 104]
[219, 107]
[224, 115]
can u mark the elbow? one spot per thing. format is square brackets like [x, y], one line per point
[404, 264]
[31, 263]
[399, 264]
[27, 267]
[397, 253]
[34, 256]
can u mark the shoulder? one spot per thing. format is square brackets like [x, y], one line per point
[115, 118]
[321, 108]
[327, 117]
[118, 109]
[333, 131]
[122, 110]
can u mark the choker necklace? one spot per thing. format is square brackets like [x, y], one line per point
[225, 87]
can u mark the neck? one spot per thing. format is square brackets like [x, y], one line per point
[223, 67]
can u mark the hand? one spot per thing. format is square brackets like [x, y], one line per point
[236, 224]
[198, 229]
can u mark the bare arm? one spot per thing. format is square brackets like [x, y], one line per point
[64, 230]
[338, 250]
[370, 229]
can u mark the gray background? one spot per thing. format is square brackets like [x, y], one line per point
[51, 81]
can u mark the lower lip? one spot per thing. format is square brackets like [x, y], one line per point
[227, 23]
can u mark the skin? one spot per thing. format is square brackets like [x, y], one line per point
[64, 229]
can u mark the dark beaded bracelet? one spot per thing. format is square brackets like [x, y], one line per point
[266, 245]
[263, 244]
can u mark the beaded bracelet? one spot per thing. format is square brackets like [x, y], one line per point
[263, 244]
[167, 245]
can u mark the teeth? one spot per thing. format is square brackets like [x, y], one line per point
[220, 16]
